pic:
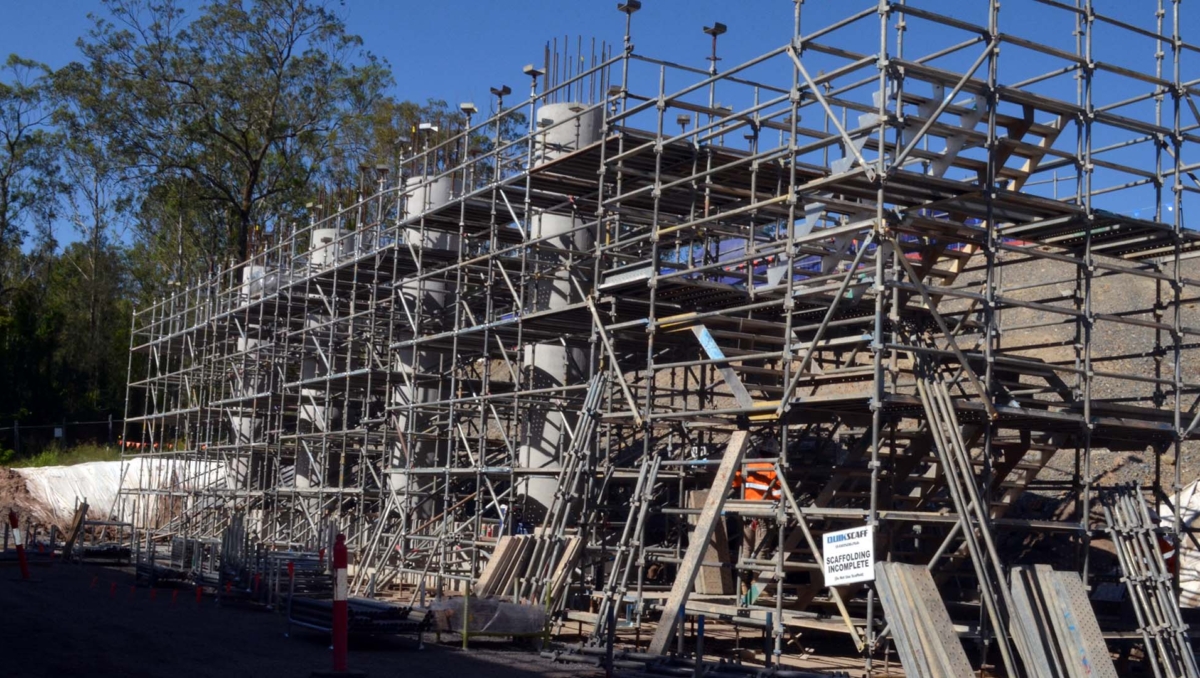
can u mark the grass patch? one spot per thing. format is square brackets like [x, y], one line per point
[59, 456]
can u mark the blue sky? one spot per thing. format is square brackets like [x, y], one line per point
[456, 49]
[480, 42]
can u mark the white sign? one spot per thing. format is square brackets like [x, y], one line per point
[849, 556]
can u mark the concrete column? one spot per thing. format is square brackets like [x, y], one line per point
[244, 470]
[328, 246]
[566, 127]
[551, 364]
[427, 299]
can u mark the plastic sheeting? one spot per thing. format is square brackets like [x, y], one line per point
[59, 489]
[488, 616]
[1189, 554]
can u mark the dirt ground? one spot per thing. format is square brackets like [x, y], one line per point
[81, 620]
[15, 496]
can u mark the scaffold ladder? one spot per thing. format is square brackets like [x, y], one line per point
[1148, 581]
[631, 537]
[551, 542]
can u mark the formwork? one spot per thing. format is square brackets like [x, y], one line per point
[918, 264]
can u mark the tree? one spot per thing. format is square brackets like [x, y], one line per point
[29, 186]
[391, 132]
[29, 192]
[244, 103]
[98, 198]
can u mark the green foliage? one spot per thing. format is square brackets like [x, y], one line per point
[63, 313]
[54, 455]
[168, 151]
[29, 181]
[242, 105]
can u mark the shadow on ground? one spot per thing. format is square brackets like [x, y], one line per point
[84, 620]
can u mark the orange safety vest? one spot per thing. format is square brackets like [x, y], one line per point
[760, 481]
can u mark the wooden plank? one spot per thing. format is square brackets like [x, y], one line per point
[698, 542]
[566, 561]
[920, 624]
[712, 580]
[504, 546]
[76, 526]
[1084, 649]
[732, 380]
[1027, 619]
[514, 565]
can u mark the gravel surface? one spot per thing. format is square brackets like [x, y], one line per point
[1116, 348]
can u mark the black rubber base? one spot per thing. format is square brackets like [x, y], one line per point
[339, 674]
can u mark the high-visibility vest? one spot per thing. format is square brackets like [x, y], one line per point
[760, 481]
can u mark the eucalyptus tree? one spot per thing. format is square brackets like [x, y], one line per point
[243, 102]
[29, 181]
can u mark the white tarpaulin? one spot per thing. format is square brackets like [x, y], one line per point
[488, 616]
[59, 489]
[1188, 552]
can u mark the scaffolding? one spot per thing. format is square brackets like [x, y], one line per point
[886, 268]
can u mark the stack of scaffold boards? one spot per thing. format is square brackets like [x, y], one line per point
[1148, 582]
[1059, 634]
[301, 581]
[156, 564]
[921, 626]
[1051, 622]
[536, 568]
[297, 581]
[513, 560]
